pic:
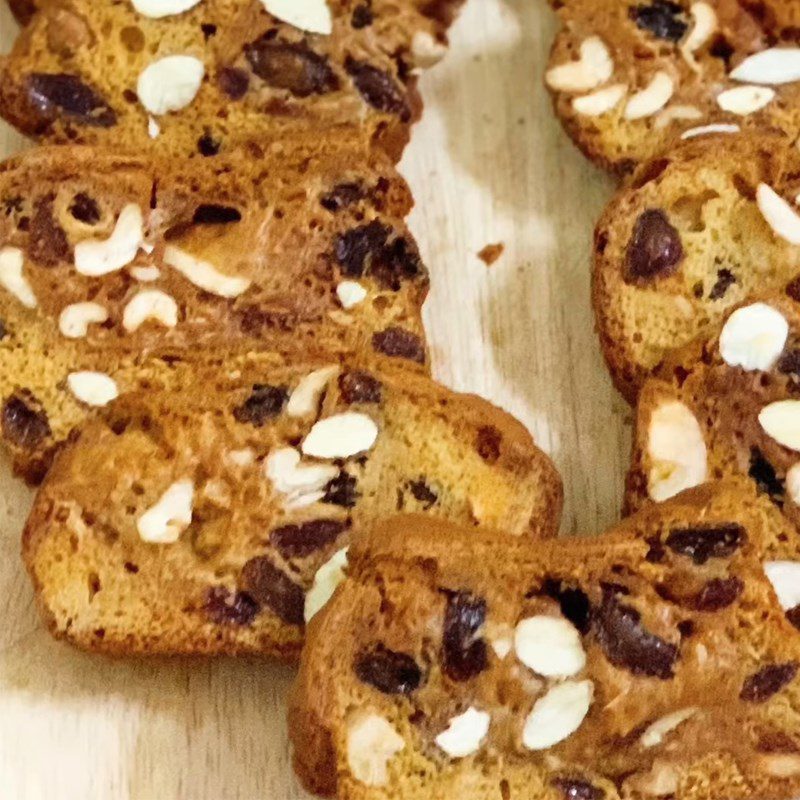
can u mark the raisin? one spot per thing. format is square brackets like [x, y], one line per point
[717, 594]
[378, 88]
[573, 601]
[59, 92]
[399, 343]
[293, 541]
[793, 615]
[488, 443]
[423, 493]
[627, 643]
[341, 491]
[388, 671]
[228, 608]
[655, 247]
[793, 290]
[763, 473]
[789, 363]
[701, 544]
[211, 214]
[85, 209]
[776, 742]
[48, 241]
[207, 145]
[358, 386]
[271, 587]
[233, 82]
[264, 403]
[24, 423]
[768, 681]
[294, 67]
[362, 16]
[465, 654]
[577, 789]
[341, 196]
[725, 279]
[663, 18]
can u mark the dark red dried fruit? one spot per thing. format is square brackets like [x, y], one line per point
[662, 18]
[572, 600]
[776, 742]
[271, 587]
[228, 608]
[464, 652]
[48, 244]
[362, 16]
[378, 88]
[297, 541]
[577, 789]
[233, 82]
[628, 644]
[488, 443]
[655, 248]
[793, 290]
[265, 403]
[718, 593]
[69, 95]
[656, 551]
[793, 615]
[423, 493]
[702, 543]
[399, 343]
[341, 491]
[212, 214]
[341, 196]
[768, 681]
[388, 671]
[24, 423]
[291, 66]
[789, 363]
[358, 386]
[763, 473]
[725, 279]
[85, 209]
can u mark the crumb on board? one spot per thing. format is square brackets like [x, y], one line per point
[491, 253]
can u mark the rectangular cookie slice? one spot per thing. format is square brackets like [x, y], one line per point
[119, 265]
[212, 519]
[210, 76]
[653, 661]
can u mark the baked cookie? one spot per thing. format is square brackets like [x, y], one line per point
[111, 264]
[23, 10]
[653, 661]
[197, 521]
[202, 77]
[695, 232]
[631, 79]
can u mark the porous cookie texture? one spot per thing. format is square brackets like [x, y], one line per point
[130, 267]
[631, 79]
[652, 661]
[215, 519]
[216, 75]
[695, 232]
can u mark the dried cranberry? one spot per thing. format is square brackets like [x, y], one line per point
[388, 671]
[291, 66]
[789, 363]
[85, 209]
[362, 16]
[59, 92]
[264, 403]
[341, 196]
[655, 247]
[662, 18]
[572, 600]
[700, 544]
[793, 615]
[271, 587]
[341, 491]
[718, 593]
[212, 214]
[763, 473]
[48, 241]
[228, 608]
[793, 290]
[776, 742]
[293, 541]
[378, 88]
[725, 279]
[24, 423]
[233, 82]
[423, 493]
[768, 681]
[577, 789]
[488, 443]
[464, 652]
[399, 343]
[358, 386]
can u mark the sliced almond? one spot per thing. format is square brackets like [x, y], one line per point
[705, 24]
[341, 436]
[785, 579]
[170, 84]
[93, 388]
[95, 257]
[557, 715]
[465, 733]
[164, 522]
[241, 458]
[426, 51]
[773, 67]
[781, 421]
[793, 483]
[371, 743]
[350, 293]
[75, 319]
[655, 733]
[313, 16]
[145, 274]
[753, 337]
[326, 579]
[703, 130]
[305, 399]
[744, 100]
[778, 213]
[594, 68]
[652, 98]
[550, 646]
[12, 278]
[153, 128]
[600, 102]
[155, 9]
[294, 479]
[676, 113]
[151, 304]
[203, 274]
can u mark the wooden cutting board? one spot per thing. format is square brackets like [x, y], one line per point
[488, 165]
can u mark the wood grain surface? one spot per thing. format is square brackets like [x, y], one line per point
[488, 164]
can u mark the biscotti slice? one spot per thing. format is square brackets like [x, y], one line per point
[210, 76]
[696, 231]
[631, 79]
[23, 10]
[653, 661]
[213, 519]
[111, 264]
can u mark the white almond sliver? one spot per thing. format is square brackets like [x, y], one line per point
[164, 522]
[773, 67]
[702, 130]
[326, 579]
[652, 98]
[781, 421]
[655, 733]
[96, 257]
[170, 84]
[145, 274]
[350, 293]
[313, 16]
[465, 733]
[371, 743]
[153, 128]
[557, 715]
[12, 278]
[744, 100]
[594, 68]
[676, 113]
[203, 274]
[75, 319]
[753, 337]
[151, 304]
[304, 400]
[426, 51]
[550, 646]
[155, 9]
[93, 388]
[600, 102]
[341, 436]
[779, 214]
[290, 477]
[705, 23]
[785, 579]
[793, 483]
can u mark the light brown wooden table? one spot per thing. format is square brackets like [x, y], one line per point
[487, 164]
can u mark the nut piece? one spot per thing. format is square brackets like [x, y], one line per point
[95, 257]
[778, 213]
[594, 69]
[371, 743]
[164, 522]
[426, 51]
[301, 483]
[775, 66]
[652, 98]
[793, 483]
[350, 293]
[327, 578]
[75, 319]
[550, 646]
[675, 113]
[557, 715]
[745, 100]
[702, 130]
[12, 279]
[785, 579]
[656, 732]
[465, 733]
[163, 8]
[150, 304]
[203, 274]
[305, 399]
[145, 274]
[241, 458]
[705, 24]
[677, 451]
[341, 436]
[781, 765]
[170, 83]
[313, 16]
[93, 388]
[753, 337]
[781, 420]
[600, 102]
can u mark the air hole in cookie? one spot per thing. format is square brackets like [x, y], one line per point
[212, 214]
[650, 171]
[85, 209]
[688, 210]
[208, 29]
[744, 187]
[505, 790]
[721, 48]
[131, 567]
[132, 39]
[100, 633]
[94, 583]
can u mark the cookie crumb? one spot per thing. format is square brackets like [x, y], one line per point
[491, 253]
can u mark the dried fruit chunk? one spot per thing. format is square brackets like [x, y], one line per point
[271, 587]
[264, 403]
[577, 789]
[291, 66]
[399, 343]
[68, 94]
[768, 681]
[663, 18]
[701, 544]
[297, 541]
[718, 593]
[230, 608]
[655, 248]
[24, 424]
[464, 651]
[388, 671]
[378, 88]
[358, 386]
